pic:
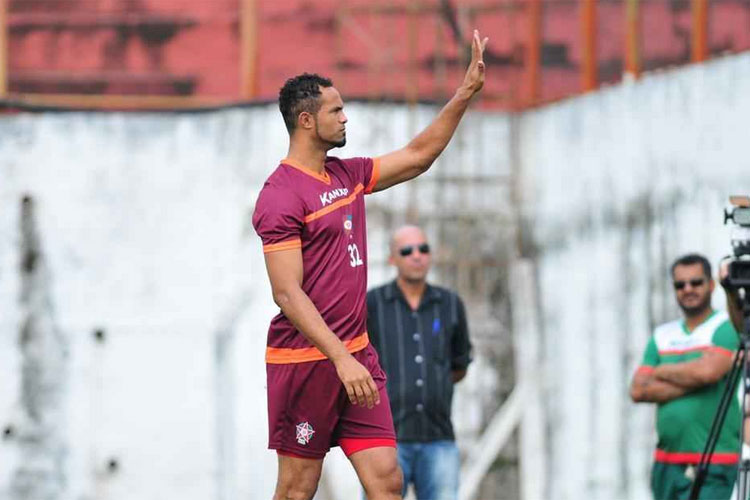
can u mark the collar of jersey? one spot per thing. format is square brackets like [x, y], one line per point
[305, 170]
[688, 332]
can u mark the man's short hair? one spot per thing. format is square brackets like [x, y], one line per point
[299, 94]
[692, 259]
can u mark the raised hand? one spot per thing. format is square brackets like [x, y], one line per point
[474, 79]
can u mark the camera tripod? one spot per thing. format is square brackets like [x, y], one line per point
[740, 368]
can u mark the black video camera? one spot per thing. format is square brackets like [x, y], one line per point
[739, 266]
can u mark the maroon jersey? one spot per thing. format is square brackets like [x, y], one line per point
[324, 215]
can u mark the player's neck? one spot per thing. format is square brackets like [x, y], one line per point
[412, 290]
[307, 155]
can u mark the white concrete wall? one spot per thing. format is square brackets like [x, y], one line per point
[144, 224]
[616, 185]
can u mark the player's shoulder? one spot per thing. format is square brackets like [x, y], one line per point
[343, 161]
[281, 177]
[283, 181]
[280, 189]
[333, 162]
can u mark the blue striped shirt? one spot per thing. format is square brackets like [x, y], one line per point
[419, 350]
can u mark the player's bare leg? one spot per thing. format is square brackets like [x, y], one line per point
[298, 478]
[379, 473]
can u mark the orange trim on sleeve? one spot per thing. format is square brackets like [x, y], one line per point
[335, 206]
[284, 245]
[374, 177]
[285, 355]
[645, 369]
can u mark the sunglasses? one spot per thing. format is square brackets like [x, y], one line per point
[407, 250]
[679, 285]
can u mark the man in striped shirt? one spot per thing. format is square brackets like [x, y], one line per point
[684, 371]
[422, 339]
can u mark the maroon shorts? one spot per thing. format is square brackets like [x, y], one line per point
[309, 410]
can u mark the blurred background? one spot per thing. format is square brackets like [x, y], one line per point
[135, 136]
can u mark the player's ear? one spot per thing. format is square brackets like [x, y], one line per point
[306, 120]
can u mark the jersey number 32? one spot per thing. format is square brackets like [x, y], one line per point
[354, 258]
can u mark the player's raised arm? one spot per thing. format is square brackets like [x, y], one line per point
[417, 156]
[285, 271]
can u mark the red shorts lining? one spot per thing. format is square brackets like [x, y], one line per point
[351, 446]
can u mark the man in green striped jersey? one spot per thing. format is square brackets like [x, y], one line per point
[684, 371]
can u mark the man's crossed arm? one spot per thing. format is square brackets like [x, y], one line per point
[646, 388]
[667, 382]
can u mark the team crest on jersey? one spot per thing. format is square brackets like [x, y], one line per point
[304, 433]
[348, 224]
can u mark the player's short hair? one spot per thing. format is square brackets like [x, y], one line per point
[691, 259]
[301, 93]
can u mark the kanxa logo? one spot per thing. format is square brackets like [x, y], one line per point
[328, 197]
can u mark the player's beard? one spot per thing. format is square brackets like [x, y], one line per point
[333, 144]
[329, 143]
[338, 144]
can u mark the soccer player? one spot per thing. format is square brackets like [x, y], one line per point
[325, 385]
